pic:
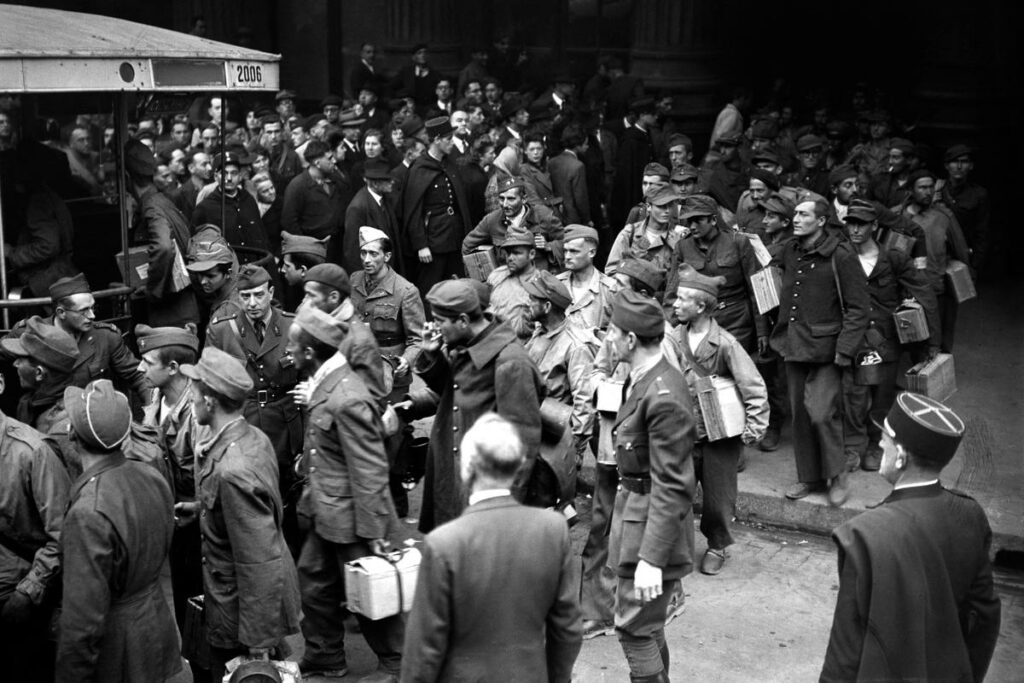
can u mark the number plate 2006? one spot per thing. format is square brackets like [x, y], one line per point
[247, 74]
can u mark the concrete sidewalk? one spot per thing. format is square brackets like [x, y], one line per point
[989, 357]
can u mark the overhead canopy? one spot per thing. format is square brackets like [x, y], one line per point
[47, 50]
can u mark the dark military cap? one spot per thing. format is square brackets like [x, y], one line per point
[483, 292]
[730, 139]
[151, 338]
[99, 414]
[139, 159]
[765, 154]
[698, 205]
[643, 105]
[377, 169]
[861, 211]
[562, 75]
[66, 286]
[642, 271]
[574, 231]
[518, 237]
[411, 126]
[331, 275]
[903, 145]
[506, 183]
[654, 168]
[808, 142]
[677, 139]
[663, 196]
[778, 204]
[684, 173]
[332, 101]
[841, 173]
[46, 344]
[221, 372]
[925, 427]
[284, 95]
[227, 158]
[303, 244]
[770, 180]
[319, 325]
[957, 151]
[877, 116]
[251, 276]
[918, 174]
[765, 128]
[691, 279]
[546, 286]
[451, 298]
[636, 313]
[438, 127]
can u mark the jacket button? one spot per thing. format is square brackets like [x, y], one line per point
[204, 560]
[455, 409]
[455, 428]
[792, 320]
[455, 449]
[312, 469]
[794, 308]
[455, 386]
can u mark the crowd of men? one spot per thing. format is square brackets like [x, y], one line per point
[302, 269]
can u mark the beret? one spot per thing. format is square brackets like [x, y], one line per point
[250, 276]
[809, 142]
[221, 372]
[376, 169]
[546, 286]
[927, 428]
[330, 274]
[575, 231]
[698, 205]
[654, 168]
[332, 101]
[66, 286]
[861, 211]
[691, 279]
[841, 173]
[663, 196]
[151, 338]
[319, 325]
[139, 159]
[518, 237]
[920, 173]
[684, 173]
[303, 244]
[957, 151]
[902, 144]
[99, 414]
[284, 95]
[369, 234]
[438, 126]
[47, 344]
[636, 313]
[644, 272]
[451, 298]
[767, 177]
[776, 203]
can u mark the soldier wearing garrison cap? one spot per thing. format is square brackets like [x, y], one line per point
[213, 266]
[653, 437]
[655, 176]
[115, 624]
[590, 289]
[933, 539]
[707, 350]
[44, 357]
[240, 511]
[474, 364]
[509, 300]
[299, 253]
[811, 174]
[653, 238]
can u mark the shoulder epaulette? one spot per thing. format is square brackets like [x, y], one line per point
[662, 389]
[224, 318]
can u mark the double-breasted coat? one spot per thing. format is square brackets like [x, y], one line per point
[164, 231]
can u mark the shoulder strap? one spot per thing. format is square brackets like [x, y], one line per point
[684, 343]
[839, 289]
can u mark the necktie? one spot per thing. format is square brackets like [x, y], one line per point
[260, 327]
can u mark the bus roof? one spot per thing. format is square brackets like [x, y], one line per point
[47, 50]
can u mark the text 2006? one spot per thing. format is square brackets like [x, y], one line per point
[248, 73]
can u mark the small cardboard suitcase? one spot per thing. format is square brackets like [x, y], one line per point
[721, 407]
[480, 263]
[137, 263]
[935, 378]
[911, 324]
[767, 284]
[377, 588]
[958, 279]
[897, 241]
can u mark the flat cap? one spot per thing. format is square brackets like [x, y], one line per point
[251, 276]
[369, 234]
[99, 414]
[47, 344]
[654, 168]
[927, 428]
[518, 237]
[636, 313]
[152, 338]
[808, 142]
[575, 231]
[311, 121]
[957, 151]
[284, 95]
[643, 272]
[663, 196]
[350, 119]
[546, 286]
[840, 173]
[861, 211]
[730, 139]
[506, 183]
[902, 144]
[451, 298]
[691, 279]
[332, 101]
[303, 244]
[684, 173]
[769, 179]
[677, 139]
[411, 126]
[778, 204]
[139, 159]
[319, 325]
[376, 169]
[221, 372]
[698, 205]
[66, 286]
[438, 127]
[331, 275]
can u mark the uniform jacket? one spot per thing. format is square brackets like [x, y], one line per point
[393, 310]
[634, 242]
[347, 491]
[461, 628]
[364, 210]
[540, 180]
[970, 204]
[720, 354]
[361, 350]
[812, 326]
[510, 302]
[179, 434]
[539, 220]
[42, 254]
[564, 356]
[33, 496]
[653, 439]
[492, 373]
[943, 239]
[916, 599]
[242, 225]
[591, 307]
[252, 590]
[163, 230]
[435, 231]
[115, 625]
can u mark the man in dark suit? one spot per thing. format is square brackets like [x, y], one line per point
[916, 599]
[371, 207]
[569, 177]
[495, 598]
[417, 79]
[651, 543]
[315, 201]
[365, 73]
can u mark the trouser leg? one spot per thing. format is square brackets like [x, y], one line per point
[598, 586]
[641, 629]
[856, 407]
[323, 591]
[823, 401]
[774, 376]
[805, 448]
[718, 479]
[948, 310]
[882, 397]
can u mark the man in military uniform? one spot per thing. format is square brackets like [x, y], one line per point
[34, 489]
[258, 338]
[393, 310]
[515, 213]
[564, 355]
[653, 440]
[968, 201]
[653, 239]
[483, 368]
[44, 357]
[251, 588]
[812, 174]
[435, 211]
[214, 265]
[346, 497]
[299, 253]
[115, 624]
[590, 289]
[509, 300]
[916, 598]
[655, 177]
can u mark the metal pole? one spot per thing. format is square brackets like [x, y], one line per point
[223, 139]
[121, 137]
[3, 263]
